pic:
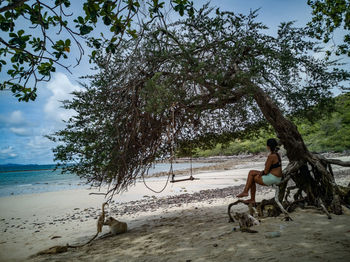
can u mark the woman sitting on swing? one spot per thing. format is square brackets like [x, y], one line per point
[272, 174]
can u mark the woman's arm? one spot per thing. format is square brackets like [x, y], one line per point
[268, 164]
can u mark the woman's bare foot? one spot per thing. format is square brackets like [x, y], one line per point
[243, 194]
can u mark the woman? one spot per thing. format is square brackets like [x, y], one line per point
[272, 174]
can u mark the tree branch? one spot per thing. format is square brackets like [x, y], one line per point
[12, 6]
[220, 103]
[289, 170]
[334, 161]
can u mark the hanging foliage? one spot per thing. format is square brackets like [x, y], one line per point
[218, 73]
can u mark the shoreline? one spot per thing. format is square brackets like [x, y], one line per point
[32, 223]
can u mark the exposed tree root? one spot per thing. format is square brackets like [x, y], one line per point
[315, 185]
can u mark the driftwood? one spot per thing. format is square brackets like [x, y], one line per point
[250, 205]
[286, 215]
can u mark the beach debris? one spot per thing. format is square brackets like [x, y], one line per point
[282, 227]
[53, 250]
[272, 234]
[54, 237]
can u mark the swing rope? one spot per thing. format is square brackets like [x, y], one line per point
[171, 171]
[167, 181]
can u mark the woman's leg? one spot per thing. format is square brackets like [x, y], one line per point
[257, 180]
[250, 182]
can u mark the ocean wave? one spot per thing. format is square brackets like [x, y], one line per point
[23, 185]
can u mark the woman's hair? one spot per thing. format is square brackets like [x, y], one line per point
[272, 143]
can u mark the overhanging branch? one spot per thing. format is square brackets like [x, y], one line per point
[334, 161]
[12, 6]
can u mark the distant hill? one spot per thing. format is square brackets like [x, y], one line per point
[18, 167]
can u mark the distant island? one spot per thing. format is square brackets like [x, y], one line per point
[5, 168]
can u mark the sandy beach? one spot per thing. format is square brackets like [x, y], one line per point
[188, 221]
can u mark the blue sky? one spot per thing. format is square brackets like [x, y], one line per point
[23, 125]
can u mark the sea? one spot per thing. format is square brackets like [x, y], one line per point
[30, 179]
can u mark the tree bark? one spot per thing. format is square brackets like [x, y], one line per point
[312, 176]
[286, 131]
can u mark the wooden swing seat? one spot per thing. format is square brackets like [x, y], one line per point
[184, 179]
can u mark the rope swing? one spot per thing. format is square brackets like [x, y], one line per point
[171, 138]
[184, 179]
[173, 180]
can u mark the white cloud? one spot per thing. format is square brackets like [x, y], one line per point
[21, 131]
[40, 147]
[7, 153]
[14, 122]
[39, 143]
[14, 119]
[61, 89]
[6, 150]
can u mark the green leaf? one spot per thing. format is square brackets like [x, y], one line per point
[80, 20]
[85, 29]
[132, 33]
[106, 20]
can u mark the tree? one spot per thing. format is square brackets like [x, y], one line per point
[201, 80]
[327, 17]
[32, 46]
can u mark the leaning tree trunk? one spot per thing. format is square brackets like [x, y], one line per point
[308, 171]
